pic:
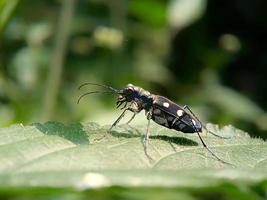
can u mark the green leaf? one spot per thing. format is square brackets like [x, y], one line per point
[77, 157]
[150, 11]
[7, 8]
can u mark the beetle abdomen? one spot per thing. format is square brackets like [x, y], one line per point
[173, 116]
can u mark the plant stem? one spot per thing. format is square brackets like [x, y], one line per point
[57, 61]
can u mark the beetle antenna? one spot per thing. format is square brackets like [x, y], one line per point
[101, 85]
[94, 92]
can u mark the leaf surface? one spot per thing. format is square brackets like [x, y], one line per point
[78, 156]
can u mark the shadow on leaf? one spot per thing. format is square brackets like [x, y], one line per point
[176, 140]
[73, 132]
[128, 134]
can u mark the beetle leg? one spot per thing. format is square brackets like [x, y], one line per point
[173, 122]
[202, 141]
[132, 118]
[209, 150]
[146, 138]
[119, 118]
[187, 107]
[119, 103]
[136, 109]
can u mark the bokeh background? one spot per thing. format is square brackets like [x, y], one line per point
[210, 55]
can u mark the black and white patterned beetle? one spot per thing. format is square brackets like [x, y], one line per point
[157, 108]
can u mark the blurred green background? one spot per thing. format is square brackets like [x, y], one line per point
[210, 55]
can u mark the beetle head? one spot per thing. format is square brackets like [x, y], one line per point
[128, 93]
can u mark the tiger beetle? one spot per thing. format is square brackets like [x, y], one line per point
[157, 108]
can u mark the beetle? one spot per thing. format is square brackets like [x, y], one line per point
[157, 108]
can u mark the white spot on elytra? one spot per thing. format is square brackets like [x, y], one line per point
[166, 104]
[180, 113]
[194, 122]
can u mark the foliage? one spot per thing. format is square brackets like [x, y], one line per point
[176, 54]
[57, 160]
[6, 9]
